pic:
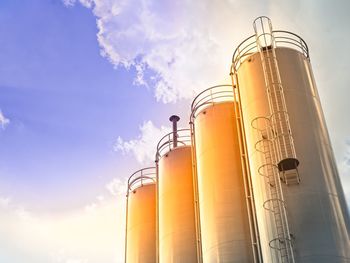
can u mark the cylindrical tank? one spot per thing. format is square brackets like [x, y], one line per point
[317, 214]
[224, 218]
[176, 216]
[140, 237]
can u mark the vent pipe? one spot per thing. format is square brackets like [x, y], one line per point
[174, 119]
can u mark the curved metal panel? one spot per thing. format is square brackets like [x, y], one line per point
[223, 209]
[176, 217]
[141, 224]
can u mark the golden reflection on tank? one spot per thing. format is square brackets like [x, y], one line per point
[302, 213]
[176, 217]
[140, 238]
[225, 217]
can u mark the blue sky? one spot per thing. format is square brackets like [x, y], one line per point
[87, 86]
[66, 103]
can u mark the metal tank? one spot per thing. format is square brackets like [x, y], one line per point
[177, 241]
[140, 237]
[300, 204]
[227, 217]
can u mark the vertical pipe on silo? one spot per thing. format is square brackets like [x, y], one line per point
[176, 216]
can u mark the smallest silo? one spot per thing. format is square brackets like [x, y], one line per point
[140, 236]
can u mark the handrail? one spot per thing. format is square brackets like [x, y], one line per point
[282, 39]
[166, 143]
[145, 176]
[141, 177]
[255, 123]
[273, 166]
[210, 96]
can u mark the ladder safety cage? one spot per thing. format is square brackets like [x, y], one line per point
[280, 126]
[282, 38]
[274, 142]
[275, 201]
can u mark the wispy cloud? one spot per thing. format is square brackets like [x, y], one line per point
[116, 187]
[144, 146]
[62, 257]
[3, 120]
[18, 211]
[24, 214]
[180, 48]
[68, 237]
[69, 3]
[4, 201]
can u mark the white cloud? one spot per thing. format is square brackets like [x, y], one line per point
[67, 237]
[93, 206]
[76, 261]
[16, 210]
[69, 3]
[87, 3]
[90, 207]
[187, 45]
[100, 198]
[23, 214]
[5, 202]
[3, 120]
[117, 187]
[62, 256]
[177, 48]
[144, 146]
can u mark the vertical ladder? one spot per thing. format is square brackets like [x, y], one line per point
[250, 201]
[196, 195]
[281, 242]
[286, 159]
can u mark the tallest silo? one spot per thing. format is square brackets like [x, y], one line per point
[301, 210]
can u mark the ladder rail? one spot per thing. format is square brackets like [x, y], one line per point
[275, 203]
[266, 44]
[250, 201]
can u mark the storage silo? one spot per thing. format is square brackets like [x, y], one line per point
[177, 240]
[301, 209]
[140, 236]
[227, 217]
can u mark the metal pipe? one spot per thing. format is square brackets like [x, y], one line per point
[174, 119]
